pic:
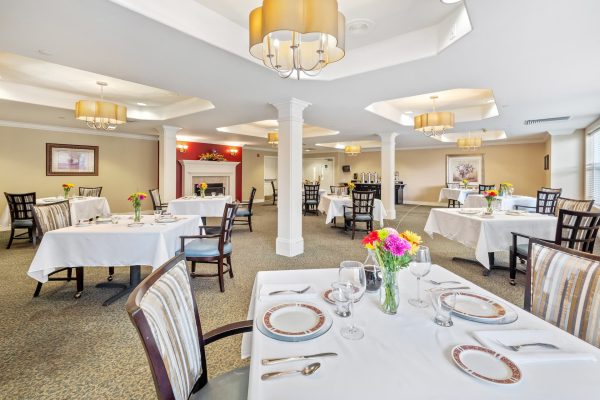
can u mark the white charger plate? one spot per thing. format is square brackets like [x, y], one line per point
[485, 364]
[469, 211]
[475, 307]
[294, 322]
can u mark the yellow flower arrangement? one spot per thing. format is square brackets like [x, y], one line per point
[203, 186]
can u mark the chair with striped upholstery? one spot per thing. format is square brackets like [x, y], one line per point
[157, 205]
[90, 191]
[165, 313]
[574, 230]
[563, 203]
[243, 216]
[19, 207]
[563, 288]
[49, 217]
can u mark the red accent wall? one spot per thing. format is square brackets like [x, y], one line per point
[195, 149]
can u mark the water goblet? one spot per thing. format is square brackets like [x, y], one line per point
[419, 267]
[352, 274]
[339, 295]
[157, 215]
[443, 301]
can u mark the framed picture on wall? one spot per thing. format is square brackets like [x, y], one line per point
[71, 160]
[459, 167]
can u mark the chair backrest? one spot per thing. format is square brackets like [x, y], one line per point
[577, 230]
[546, 202]
[90, 191]
[485, 188]
[563, 203]
[273, 186]
[19, 205]
[227, 224]
[363, 202]
[49, 217]
[545, 189]
[452, 185]
[164, 311]
[563, 288]
[251, 200]
[155, 197]
[311, 192]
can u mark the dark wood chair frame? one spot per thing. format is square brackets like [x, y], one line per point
[16, 215]
[451, 202]
[157, 204]
[485, 188]
[247, 205]
[162, 383]
[274, 192]
[545, 202]
[529, 273]
[82, 188]
[69, 277]
[562, 239]
[223, 233]
[363, 203]
[311, 192]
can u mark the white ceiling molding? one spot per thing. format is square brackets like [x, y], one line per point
[262, 128]
[64, 129]
[593, 126]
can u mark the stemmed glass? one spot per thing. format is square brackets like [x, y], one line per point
[419, 267]
[352, 275]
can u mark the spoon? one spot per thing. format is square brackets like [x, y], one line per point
[308, 370]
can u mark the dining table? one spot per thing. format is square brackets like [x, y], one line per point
[333, 206]
[82, 208]
[487, 234]
[457, 194]
[118, 243]
[209, 206]
[406, 355]
[503, 202]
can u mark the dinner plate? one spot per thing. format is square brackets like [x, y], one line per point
[294, 322]
[135, 224]
[167, 220]
[515, 212]
[469, 211]
[485, 364]
[475, 307]
[51, 200]
[103, 220]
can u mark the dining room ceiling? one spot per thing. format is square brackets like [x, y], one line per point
[518, 60]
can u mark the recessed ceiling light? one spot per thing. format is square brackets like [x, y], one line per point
[45, 52]
[450, 1]
[141, 104]
[360, 26]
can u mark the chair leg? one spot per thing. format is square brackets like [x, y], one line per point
[221, 280]
[79, 277]
[512, 258]
[353, 229]
[111, 272]
[12, 236]
[69, 274]
[250, 222]
[230, 266]
[193, 268]
[37, 289]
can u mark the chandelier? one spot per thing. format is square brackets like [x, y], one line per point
[352, 150]
[434, 123]
[101, 114]
[273, 138]
[469, 143]
[297, 36]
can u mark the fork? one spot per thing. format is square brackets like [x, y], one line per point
[439, 283]
[290, 291]
[517, 347]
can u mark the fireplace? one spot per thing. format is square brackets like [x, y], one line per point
[214, 173]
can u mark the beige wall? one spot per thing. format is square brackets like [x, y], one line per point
[568, 164]
[253, 171]
[125, 165]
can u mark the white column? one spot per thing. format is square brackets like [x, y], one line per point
[388, 167]
[167, 162]
[289, 177]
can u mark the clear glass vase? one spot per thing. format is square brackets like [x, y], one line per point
[490, 208]
[137, 213]
[389, 296]
[66, 193]
[202, 193]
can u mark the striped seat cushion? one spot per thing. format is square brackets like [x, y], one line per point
[90, 192]
[565, 291]
[169, 309]
[53, 216]
[572, 205]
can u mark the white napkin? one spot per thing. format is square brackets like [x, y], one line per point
[267, 288]
[532, 354]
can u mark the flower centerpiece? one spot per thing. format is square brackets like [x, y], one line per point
[490, 196]
[506, 189]
[214, 156]
[393, 252]
[136, 200]
[203, 187]
[465, 183]
[351, 187]
[67, 188]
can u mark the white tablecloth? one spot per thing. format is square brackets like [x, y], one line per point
[103, 245]
[405, 356]
[506, 202]
[333, 206]
[455, 194]
[81, 208]
[487, 235]
[203, 206]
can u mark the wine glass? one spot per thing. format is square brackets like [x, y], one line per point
[352, 275]
[419, 267]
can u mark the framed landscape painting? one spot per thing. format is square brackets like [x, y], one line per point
[71, 160]
[459, 167]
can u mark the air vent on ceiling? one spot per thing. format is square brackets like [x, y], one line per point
[543, 120]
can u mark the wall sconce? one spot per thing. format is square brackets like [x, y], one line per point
[233, 151]
[182, 147]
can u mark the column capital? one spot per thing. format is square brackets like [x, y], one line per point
[290, 107]
[388, 136]
[168, 129]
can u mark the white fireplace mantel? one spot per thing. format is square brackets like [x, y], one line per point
[191, 168]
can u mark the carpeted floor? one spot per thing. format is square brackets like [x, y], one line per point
[56, 347]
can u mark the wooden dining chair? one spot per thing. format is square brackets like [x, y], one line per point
[157, 204]
[21, 218]
[361, 211]
[563, 203]
[486, 188]
[562, 288]
[90, 191]
[574, 230]
[212, 247]
[554, 190]
[545, 202]
[451, 202]
[243, 215]
[49, 217]
[274, 192]
[164, 311]
[311, 199]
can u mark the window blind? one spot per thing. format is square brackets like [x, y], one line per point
[592, 166]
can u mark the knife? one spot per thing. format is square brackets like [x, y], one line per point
[271, 361]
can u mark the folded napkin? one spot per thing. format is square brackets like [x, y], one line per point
[267, 288]
[567, 350]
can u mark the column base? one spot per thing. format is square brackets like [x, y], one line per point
[391, 214]
[289, 248]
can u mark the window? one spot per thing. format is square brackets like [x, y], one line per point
[592, 166]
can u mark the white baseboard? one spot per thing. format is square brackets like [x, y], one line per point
[259, 200]
[426, 203]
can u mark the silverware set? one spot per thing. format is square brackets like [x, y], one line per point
[290, 291]
[517, 347]
[308, 370]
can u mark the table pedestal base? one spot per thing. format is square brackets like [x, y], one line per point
[135, 273]
[486, 272]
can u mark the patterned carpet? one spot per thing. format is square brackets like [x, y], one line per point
[56, 347]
